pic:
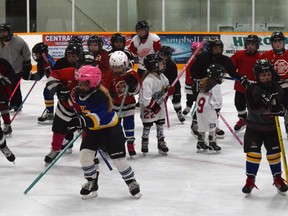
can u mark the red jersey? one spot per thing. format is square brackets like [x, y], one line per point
[65, 77]
[116, 87]
[280, 62]
[244, 64]
[102, 60]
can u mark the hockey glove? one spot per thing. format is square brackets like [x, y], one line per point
[268, 97]
[63, 93]
[278, 110]
[4, 80]
[132, 82]
[76, 123]
[27, 66]
[170, 90]
[244, 81]
[154, 106]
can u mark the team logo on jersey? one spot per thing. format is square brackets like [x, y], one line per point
[281, 67]
[120, 88]
[143, 52]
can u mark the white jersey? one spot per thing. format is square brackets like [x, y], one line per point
[143, 49]
[153, 87]
[206, 104]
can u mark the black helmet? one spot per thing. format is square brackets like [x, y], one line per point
[151, 62]
[6, 27]
[214, 42]
[264, 65]
[116, 38]
[39, 48]
[86, 58]
[278, 36]
[216, 71]
[252, 39]
[166, 50]
[75, 40]
[95, 39]
[142, 24]
[73, 49]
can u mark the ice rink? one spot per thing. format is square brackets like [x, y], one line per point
[182, 183]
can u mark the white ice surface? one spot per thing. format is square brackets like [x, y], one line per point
[182, 183]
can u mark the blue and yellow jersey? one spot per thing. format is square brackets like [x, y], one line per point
[95, 108]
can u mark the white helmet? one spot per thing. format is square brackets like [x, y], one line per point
[118, 58]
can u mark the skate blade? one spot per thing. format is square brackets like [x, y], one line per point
[214, 151]
[220, 136]
[281, 193]
[68, 151]
[247, 195]
[138, 195]
[8, 135]
[202, 150]
[90, 195]
[240, 129]
[46, 123]
[162, 152]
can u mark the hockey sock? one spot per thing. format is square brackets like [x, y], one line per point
[124, 168]
[242, 114]
[87, 162]
[6, 116]
[146, 132]
[212, 136]
[160, 131]
[253, 160]
[57, 141]
[2, 139]
[274, 162]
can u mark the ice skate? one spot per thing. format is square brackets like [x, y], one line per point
[219, 133]
[180, 117]
[64, 144]
[201, 146]
[7, 130]
[280, 184]
[250, 184]
[89, 189]
[46, 118]
[50, 157]
[7, 152]
[162, 147]
[144, 147]
[134, 188]
[194, 128]
[131, 148]
[186, 110]
[213, 147]
[240, 125]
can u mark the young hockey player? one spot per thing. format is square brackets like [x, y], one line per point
[143, 43]
[45, 62]
[61, 82]
[209, 100]
[155, 85]
[190, 97]
[118, 42]
[123, 76]
[6, 76]
[278, 56]
[101, 127]
[171, 72]
[265, 100]
[244, 61]
[199, 70]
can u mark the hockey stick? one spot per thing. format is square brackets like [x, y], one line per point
[184, 69]
[20, 107]
[281, 146]
[123, 101]
[231, 130]
[16, 87]
[52, 163]
[166, 112]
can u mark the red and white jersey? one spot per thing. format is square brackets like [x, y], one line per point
[244, 64]
[142, 48]
[280, 63]
[206, 104]
[63, 77]
[116, 87]
[153, 87]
